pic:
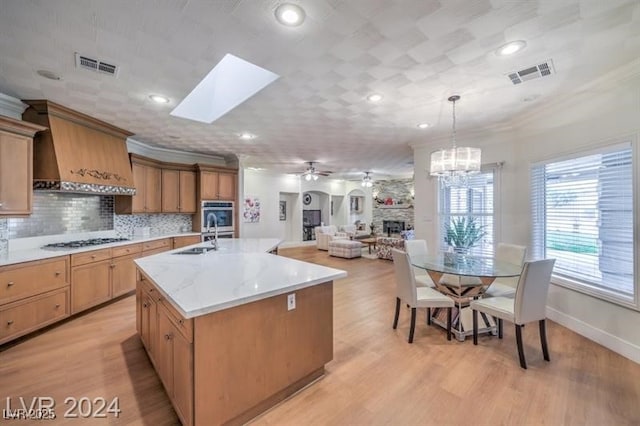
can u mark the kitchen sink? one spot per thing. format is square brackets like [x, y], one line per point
[196, 250]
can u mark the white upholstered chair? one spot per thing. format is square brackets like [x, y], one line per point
[416, 248]
[506, 286]
[416, 297]
[529, 305]
[325, 234]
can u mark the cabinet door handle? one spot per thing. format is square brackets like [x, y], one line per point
[93, 256]
[57, 273]
[112, 265]
[181, 321]
[168, 336]
[145, 305]
[9, 322]
[57, 305]
[10, 284]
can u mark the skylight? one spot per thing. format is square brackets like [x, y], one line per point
[231, 82]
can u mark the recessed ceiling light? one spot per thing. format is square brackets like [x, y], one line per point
[289, 14]
[511, 48]
[247, 136]
[423, 125]
[375, 97]
[49, 74]
[159, 99]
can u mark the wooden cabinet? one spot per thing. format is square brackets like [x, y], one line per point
[187, 240]
[178, 191]
[90, 284]
[174, 363]
[20, 318]
[123, 270]
[32, 278]
[33, 295]
[16, 170]
[147, 313]
[147, 179]
[217, 185]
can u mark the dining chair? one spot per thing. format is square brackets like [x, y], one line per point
[506, 286]
[529, 305]
[416, 248]
[416, 297]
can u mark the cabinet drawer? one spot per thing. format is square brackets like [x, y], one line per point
[165, 243]
[184, 326]
[126, 250]
[90, 256]
[30, 279]
[23, 317]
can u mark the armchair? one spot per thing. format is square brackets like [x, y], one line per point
[325, 234]
[353, 232]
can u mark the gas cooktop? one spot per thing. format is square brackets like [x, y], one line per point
[83, 243]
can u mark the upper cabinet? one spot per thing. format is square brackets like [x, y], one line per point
[16, 172]
[178, 191]
[148, 184]
[218, 185]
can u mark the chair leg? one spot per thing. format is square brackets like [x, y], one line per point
[395, 319]
[543, 340]
[499, 328]
[523, 363]
[428, 316]
[475, 327]
[413, 324]
[448, 323]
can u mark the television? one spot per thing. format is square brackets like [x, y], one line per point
[311, 217]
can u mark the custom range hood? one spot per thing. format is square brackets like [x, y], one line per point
[78, 153]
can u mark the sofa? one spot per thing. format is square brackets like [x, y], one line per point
[385, 244]
[325, 234]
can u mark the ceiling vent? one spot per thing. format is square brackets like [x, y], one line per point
[96, 65]
[531, 73]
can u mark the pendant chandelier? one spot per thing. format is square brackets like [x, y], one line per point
[367, 182]
[454, 165]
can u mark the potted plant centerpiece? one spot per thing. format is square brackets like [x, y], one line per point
[462, 233]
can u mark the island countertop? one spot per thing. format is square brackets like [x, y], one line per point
[239, 272]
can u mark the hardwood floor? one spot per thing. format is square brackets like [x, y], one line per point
[376, 377]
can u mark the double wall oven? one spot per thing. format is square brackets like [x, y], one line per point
[220, 213]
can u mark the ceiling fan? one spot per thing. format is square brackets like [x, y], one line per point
[312, 173]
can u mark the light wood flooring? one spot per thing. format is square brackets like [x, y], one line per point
[376, 377]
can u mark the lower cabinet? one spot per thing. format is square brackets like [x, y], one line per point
[123, 275]
[166, 338]
[90, 285]
[25, 316]
[186, 240]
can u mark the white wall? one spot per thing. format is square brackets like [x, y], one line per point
[271, 188]
[601, 114]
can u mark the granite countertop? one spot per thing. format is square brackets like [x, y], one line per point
[24, 253]
[239, 272]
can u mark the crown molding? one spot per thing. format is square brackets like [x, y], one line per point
[11, 107]
[173, 155]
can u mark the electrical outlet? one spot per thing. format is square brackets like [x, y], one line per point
[291, 302]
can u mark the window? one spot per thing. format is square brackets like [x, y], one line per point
[472, 202]
[583, 217]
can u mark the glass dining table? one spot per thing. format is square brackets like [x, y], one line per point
[463, 278]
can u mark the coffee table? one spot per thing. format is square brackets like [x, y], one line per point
[369, 242]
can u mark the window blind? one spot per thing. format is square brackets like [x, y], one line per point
[582, 215]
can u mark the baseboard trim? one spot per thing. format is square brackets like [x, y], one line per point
[608, 340]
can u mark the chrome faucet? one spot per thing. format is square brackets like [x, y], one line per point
[213, 216]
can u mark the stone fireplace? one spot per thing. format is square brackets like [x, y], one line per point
[393, 206]
[393, 226]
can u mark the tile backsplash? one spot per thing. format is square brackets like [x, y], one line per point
[63, 213]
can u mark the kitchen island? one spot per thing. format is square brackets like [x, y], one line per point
[234, 331]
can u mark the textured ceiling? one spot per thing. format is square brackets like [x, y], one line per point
[414, 52]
